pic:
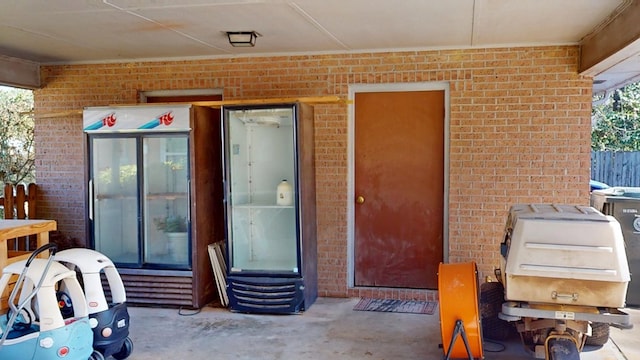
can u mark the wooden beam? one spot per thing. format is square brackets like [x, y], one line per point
[330, 99]
[69, 113]
[19, 73]
[617, 41]
[307, 100]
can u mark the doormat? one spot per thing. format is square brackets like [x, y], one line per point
[399, 306]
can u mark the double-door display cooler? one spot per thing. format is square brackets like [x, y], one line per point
[147, 165]
[270, 207]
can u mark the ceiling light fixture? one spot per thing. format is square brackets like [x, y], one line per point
[242, 38]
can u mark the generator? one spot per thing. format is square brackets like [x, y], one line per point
[564, 271]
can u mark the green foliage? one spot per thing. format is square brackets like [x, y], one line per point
[129, 173]
[127, 176]
[17, 157]
[616, 122]
[171, 224]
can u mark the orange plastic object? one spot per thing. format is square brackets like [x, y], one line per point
[458, 295]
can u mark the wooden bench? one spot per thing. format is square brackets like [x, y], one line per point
[11, 229]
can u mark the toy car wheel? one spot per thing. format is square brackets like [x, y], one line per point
[96, 355]
[127, 349]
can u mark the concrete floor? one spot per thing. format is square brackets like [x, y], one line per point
[330, 329]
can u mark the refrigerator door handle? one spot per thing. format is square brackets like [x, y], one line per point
[189, 201]
[91, 199]
[224, 192]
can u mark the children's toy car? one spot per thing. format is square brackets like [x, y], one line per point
[33, 327]
[110, 321]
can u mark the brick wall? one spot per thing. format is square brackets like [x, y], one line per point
[519, 132]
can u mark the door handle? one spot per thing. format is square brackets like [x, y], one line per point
[90, 199]
[556, 295]
[360, 199]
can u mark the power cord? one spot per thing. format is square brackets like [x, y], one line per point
[193, 311]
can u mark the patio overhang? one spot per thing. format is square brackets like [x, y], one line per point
[19, 72]
[612, 54]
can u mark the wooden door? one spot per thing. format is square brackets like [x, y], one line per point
[399, 188]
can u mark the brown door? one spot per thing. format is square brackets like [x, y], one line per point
[399, 188]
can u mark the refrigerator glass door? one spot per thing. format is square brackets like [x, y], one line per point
[262, 204]
[165, 200]
[140, 199]
[115, 198]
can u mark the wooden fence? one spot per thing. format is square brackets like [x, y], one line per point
[616, 168]
[19, 202]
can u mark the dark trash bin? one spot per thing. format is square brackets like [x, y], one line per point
[623, 203]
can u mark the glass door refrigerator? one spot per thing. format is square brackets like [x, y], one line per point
[270, 208]
[146, 165]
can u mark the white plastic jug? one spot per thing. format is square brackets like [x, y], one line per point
[284, 193]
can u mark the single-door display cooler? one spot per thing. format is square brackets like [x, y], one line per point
[146, 167]
[270, 208]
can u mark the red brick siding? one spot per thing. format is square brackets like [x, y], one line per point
[519, 132]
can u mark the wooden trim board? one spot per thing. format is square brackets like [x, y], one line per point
[216, 254]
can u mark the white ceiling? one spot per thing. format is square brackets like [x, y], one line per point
[73, 31]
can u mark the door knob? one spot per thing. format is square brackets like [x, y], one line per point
[360, 199]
